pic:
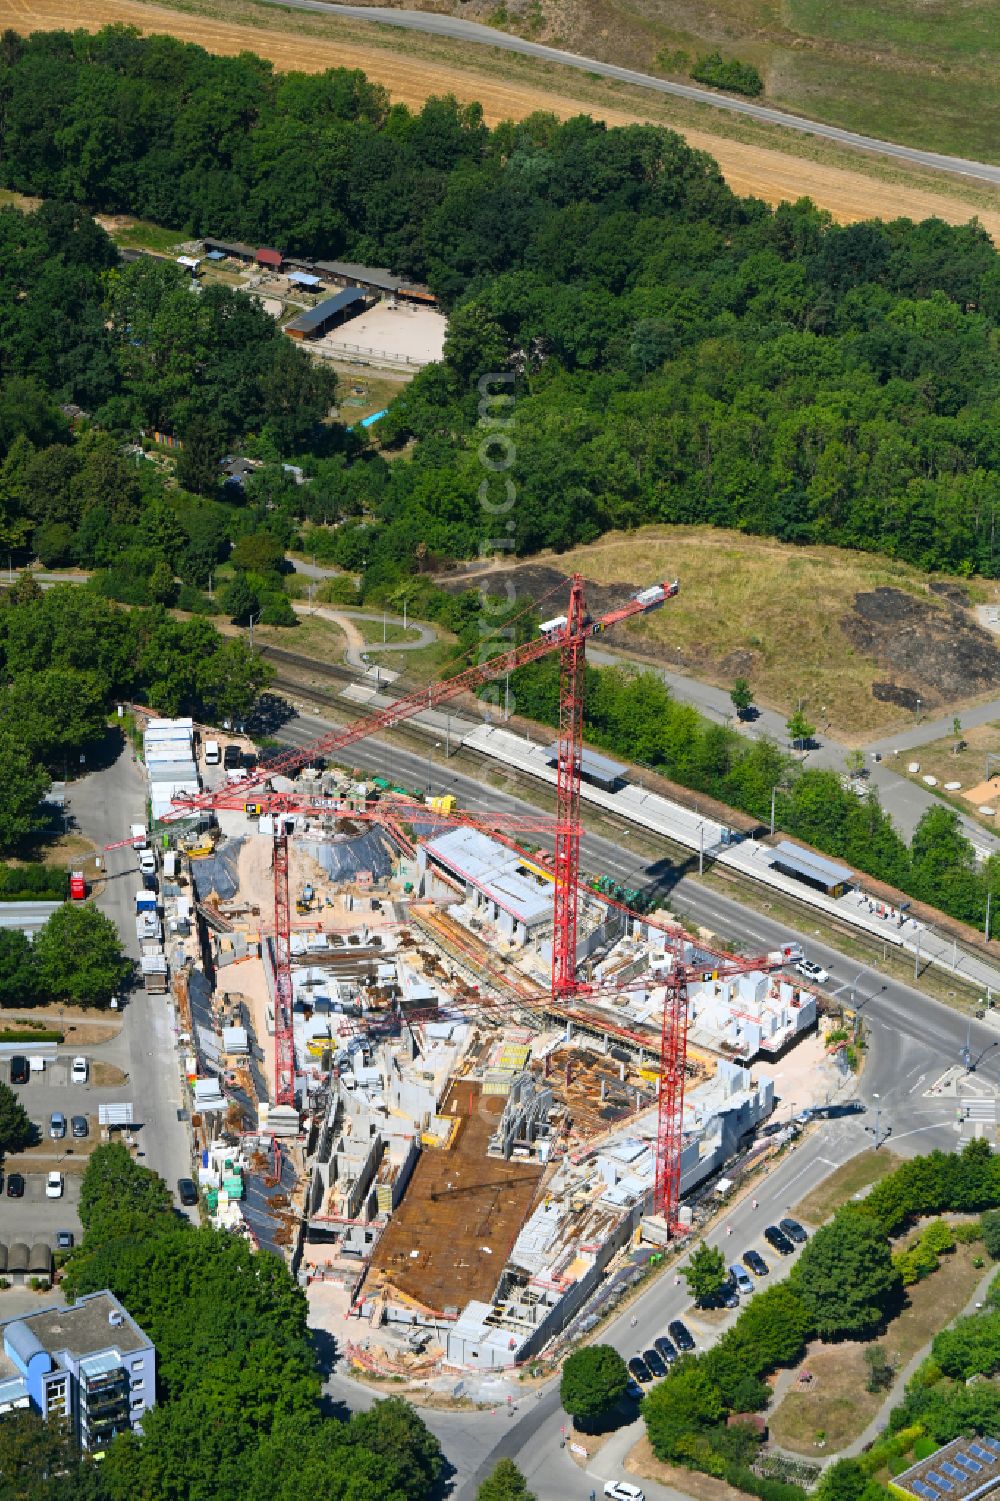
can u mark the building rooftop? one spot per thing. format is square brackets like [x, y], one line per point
[315, 317]
[596, 768]
[496, 871]
[83, 1329]
[809, 865]
[373, 276]
[959, 1471]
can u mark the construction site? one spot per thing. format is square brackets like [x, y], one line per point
[439, 1071]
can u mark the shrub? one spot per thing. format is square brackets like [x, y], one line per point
[938, 1237]
[990, 1226]
[728, 73]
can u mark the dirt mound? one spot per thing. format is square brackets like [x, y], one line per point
[942, 655]
[535, 581]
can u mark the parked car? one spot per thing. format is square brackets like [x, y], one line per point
[78, 1127]
[640, 1370]
[665, 1348]
[65, 1240]
[755, 1261]
[622, 1490]
[777, 1239]
[815, 973]
[20, 1070]
[794, 1231]
[80, 1071]
[634, 1391]
[15, 1186]
[681, 1335]
[187, 1192]
[232, 757]
[743, 1282]
[57, 1125]
[656, 1365]
[54, 1186]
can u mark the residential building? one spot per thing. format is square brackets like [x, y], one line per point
[89, 1363]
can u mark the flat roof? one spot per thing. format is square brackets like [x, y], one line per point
[315, 317]
[958, 1471]
[599, 768]
[807, 863]
[84, 1328]
[495, 871]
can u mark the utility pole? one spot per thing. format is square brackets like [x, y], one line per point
[383, 627]
[773, 791]
[405, 603]
[447, 736]
[916, 959]
[989, 897]
[253, 618]
[701, 848]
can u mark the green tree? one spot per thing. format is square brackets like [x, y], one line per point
[681, 1406]
[845, 1277]
[18, 979]
[799, 728]
[848, 1480]
[162, 589]
[594, 1380]
[505, 1483]
[16, 1130]
[258, 552]
[199, 459]
[39, 1461]
[855, 761]
[395, 1432]
[79, 957]
[705, 1273]
[991, 1233]
[230, 680]
[118, 1192]
[741, 696]
[24, 783]
[239, 600]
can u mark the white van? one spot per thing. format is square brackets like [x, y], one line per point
[213, 755]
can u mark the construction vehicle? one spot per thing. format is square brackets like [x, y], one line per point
[305, 901]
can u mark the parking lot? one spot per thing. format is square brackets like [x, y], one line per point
[36, 1217]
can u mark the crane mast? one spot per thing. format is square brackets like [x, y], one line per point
[566, 634]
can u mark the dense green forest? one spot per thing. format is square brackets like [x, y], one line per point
[680, 353]
[67, 656]
[238, 1415]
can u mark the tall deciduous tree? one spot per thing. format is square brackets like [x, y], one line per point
[594, 1380]
[505, 1483]
[79, 956]
[705, 1273]
[845, 1277]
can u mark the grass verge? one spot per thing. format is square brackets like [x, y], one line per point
[836, 1401]
[843, 1183]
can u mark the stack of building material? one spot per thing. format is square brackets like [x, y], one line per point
[168, 752]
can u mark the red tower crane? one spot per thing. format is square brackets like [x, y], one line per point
[566, 634]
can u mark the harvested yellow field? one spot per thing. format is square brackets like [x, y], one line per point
[767, 173]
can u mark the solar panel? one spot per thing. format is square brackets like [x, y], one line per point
[983, 1454]
[927, 1491]
[992, 1443]
[968, 1464]
[949, 1469]
[939, 1481]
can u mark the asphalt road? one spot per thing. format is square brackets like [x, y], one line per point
[905, 801]
[104, 804]
[921, 1025]
[486, 36]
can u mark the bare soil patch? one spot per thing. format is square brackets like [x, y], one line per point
[313, 44]
[106, 1075]
[945, 654]
[86, 1028]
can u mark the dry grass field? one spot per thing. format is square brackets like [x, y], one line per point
[764, 609]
